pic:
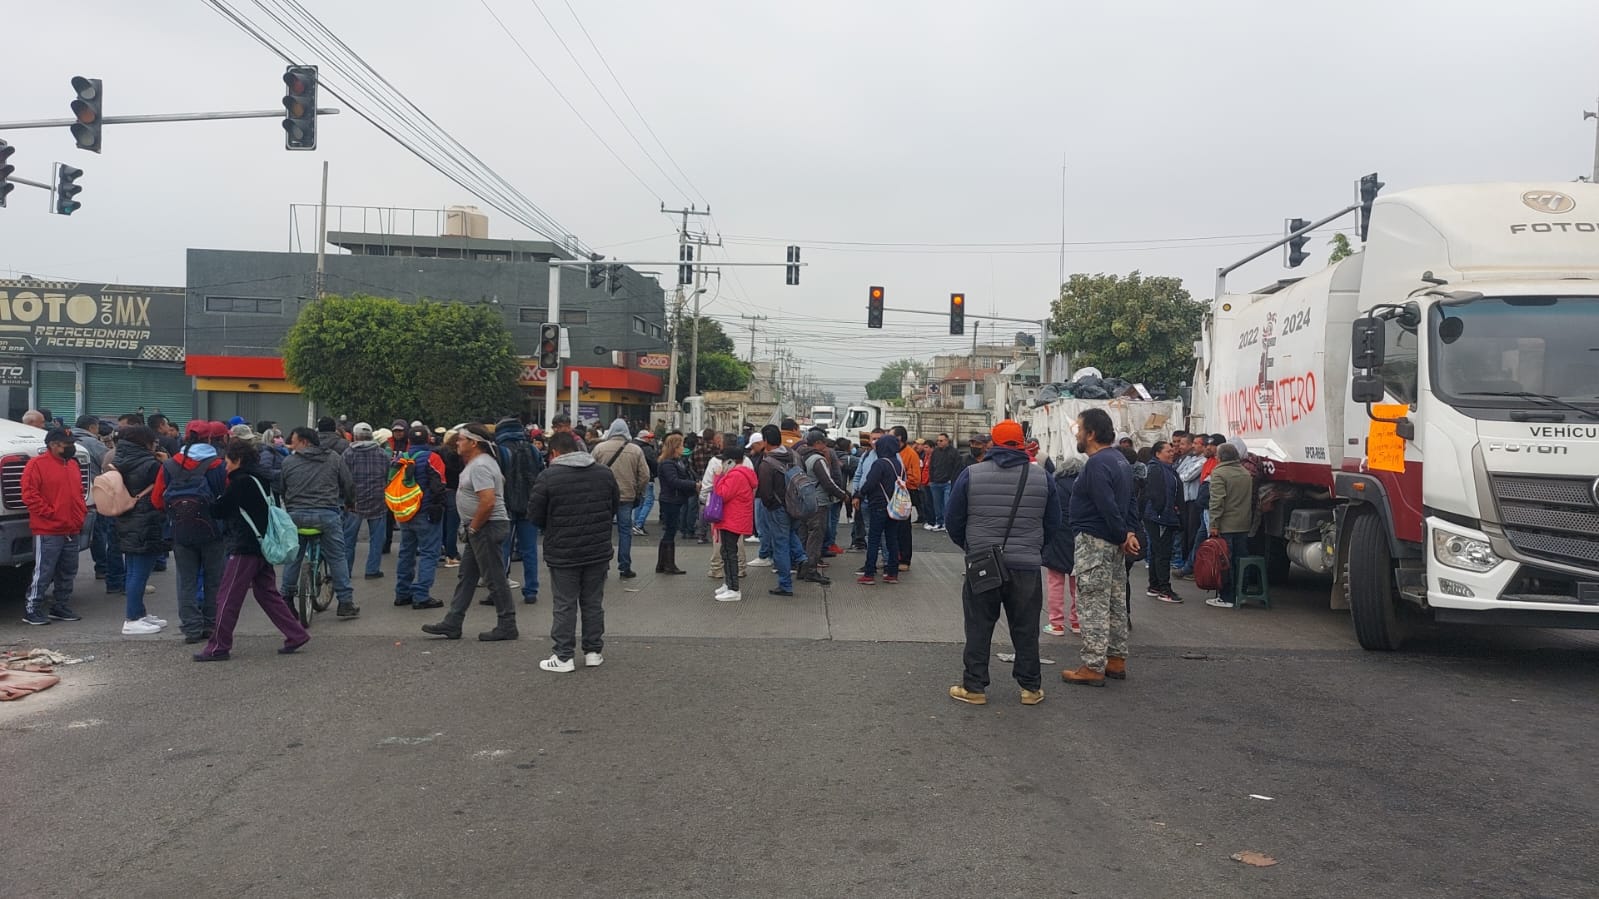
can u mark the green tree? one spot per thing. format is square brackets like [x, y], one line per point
[718, 371]
[1138, 328]
[886, 385]
[1341, 248]
[375, 358]
[712, 338]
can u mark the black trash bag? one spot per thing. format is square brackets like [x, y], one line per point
[1091, 392]
[1115, 386]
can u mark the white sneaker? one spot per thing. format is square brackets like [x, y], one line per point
[556, 664]
[929, 527]
[151, 619]
[752, 539]
[513, 584]
[760, 563]
[729, 596]
[593, 659]
[139, 628]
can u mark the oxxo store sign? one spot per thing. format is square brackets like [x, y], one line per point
[43, 318]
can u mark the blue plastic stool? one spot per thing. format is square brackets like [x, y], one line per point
[1252, 583]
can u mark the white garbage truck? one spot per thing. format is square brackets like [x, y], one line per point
[1427, 410]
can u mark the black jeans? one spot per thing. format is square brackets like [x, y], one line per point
[580, 591]
[480, 558]
[1160, 541]
[902, 530]
[1021, 600]
[1191, 535]
[199, 578]
[730, 558]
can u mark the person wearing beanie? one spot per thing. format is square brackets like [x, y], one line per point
[1009, 505]
[625, 460]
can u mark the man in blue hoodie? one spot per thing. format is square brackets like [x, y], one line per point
[978, 516]
[1101, 520]
[871, 499]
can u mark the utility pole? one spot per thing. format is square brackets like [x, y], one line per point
[684, 238]
[322, 236]
[677, 325]
[752, 319]
[1594, 115]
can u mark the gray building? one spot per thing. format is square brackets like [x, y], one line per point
[240, 304]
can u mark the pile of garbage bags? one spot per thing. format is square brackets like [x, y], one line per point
[1086, 384]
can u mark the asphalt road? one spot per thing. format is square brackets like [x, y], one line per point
[802, 748]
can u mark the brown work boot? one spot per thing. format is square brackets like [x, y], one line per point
[1032, 697]
[971, 697]
[1116, 667]
[1083, 677]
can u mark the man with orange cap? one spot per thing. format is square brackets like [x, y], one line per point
[1009, 504]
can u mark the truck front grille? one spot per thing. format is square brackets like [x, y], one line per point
[1553, 518]
[11, 482]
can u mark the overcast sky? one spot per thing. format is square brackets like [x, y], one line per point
[856, 129]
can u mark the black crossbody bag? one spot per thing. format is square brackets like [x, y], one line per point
[985, 568]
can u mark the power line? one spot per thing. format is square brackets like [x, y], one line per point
[547, 80]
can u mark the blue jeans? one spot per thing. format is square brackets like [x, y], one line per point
[525, 533]
[139, 567]
[624, 536]
[452, 526]
[419, 558]
[377, 532]
[331, 523]
[644, 507]
[55, 566]
[881, 531]
[833, 511]
[940, 497]
[104, 537]
[778, 528]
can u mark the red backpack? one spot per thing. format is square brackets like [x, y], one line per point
[1211, 564]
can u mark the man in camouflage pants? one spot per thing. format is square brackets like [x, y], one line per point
[1102, 522]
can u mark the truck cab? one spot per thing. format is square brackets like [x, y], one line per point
[1428, 410]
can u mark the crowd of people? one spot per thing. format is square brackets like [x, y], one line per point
[482, 496]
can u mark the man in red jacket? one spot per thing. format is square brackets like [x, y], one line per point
[52, 489]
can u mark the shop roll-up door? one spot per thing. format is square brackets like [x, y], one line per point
[56, 391]
[111, 390]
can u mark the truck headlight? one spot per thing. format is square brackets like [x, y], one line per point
[1460, 551]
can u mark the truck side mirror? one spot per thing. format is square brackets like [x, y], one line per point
[1366, 343]
[1365, 388]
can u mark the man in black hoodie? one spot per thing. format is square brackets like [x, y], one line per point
[575, 502]
[943, 464]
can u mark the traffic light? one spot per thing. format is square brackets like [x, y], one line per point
[1369, 188]
[685, 270]
[596, 276]
[6, 168]
[957, 313]
[1296, 245]
[791, 271]
[613, 275]
[86, 109]
[66, 188]
[299, 107]
[874, 308]
[550, 348]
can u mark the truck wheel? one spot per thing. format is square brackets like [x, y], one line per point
[1278, 565]
[1369, 582]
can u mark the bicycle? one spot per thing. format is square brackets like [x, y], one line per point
[314, 590]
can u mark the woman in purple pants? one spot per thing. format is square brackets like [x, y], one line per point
[242, 509]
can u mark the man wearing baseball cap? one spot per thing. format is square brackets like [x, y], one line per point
[1004, 503]
[52, 490]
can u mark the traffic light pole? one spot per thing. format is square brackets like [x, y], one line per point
[154, 119]
[1223, 272]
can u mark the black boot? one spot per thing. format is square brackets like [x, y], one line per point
[671, 559]
[661, 553]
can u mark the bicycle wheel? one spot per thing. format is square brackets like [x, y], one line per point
[304, 591]
[322, 598]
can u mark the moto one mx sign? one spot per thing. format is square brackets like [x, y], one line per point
[41, 318]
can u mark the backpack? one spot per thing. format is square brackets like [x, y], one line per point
[899, 505]
[799, 492]
[110, 494]
[403, 495]
[520, 463]
[188, 499]
[1211, 564]
[281, 542]
[715, 506]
